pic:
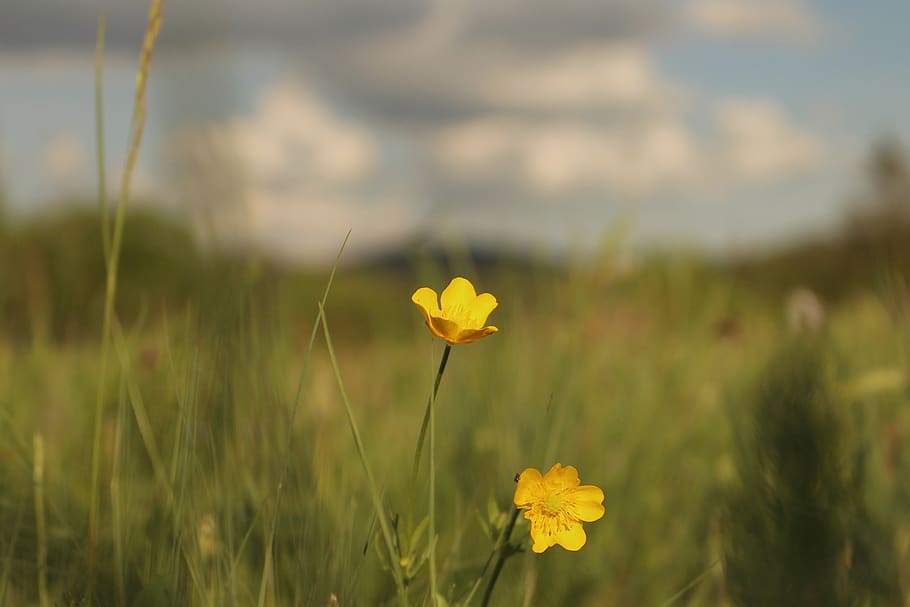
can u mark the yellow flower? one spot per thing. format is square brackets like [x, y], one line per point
[556, 506]
[463, 314]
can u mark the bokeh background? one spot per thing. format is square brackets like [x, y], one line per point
[727, 124]
[695, 215]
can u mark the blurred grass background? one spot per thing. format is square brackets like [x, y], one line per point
[736, 428]
[746, 418]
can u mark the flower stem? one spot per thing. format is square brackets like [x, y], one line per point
[431, 409]
[426, 413]
[500, 561]
[429, 420]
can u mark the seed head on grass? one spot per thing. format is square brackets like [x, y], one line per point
[556, 505]
[462, 317]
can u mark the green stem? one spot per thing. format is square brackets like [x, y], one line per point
[111, 263]
[431, 410]
[690, 585]
[426, 414]
[40, 524]
[99, 139]
[263, 586]
[379, 509]
[500, 561]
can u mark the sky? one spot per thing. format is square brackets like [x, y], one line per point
[719, 124]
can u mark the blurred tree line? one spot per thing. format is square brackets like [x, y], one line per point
[872, 247]
[52, 272]
[52, 268]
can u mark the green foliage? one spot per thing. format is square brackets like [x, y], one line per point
[797, 531]
[622, 373]
[52, 272]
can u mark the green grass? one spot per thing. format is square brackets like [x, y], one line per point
[203, 452]
[629, 380]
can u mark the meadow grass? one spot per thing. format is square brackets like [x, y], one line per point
[217, 453]
[629, 380]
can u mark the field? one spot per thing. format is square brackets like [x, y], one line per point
[189, 424]
[711, 423]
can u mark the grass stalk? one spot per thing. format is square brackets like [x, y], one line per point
[10, 552]
[143, 423]
[394, 559]
[116, 497]
[690, 585]
[138, 123]
[295, 406]
[99, 139]
[40, 522]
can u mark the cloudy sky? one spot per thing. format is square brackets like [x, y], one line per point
[720, 123]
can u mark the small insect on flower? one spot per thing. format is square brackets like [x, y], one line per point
[556, 505]
[462, 317]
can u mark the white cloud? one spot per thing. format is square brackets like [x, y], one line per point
[760, 144]
[65, 159]
[753, 143]
[619, 76]
[312, 226]
[605, 120]
[293, 178]
[560, 157]
[294, 135]
[594, 119]
[783, 20]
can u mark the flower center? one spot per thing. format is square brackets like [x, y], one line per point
[553, 503]
[460, 315]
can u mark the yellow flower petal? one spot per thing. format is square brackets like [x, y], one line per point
[561, 478]
[572, 538]
[426, 299]
[458, 315]
[466, 336]
[459, 294]
[587, 503]
[528, 489]
[481, 308]
[542, 541]
[446, 329]
[556, 505]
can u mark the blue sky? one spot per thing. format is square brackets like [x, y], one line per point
[724, 124]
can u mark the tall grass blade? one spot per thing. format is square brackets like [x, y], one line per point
[364, 461]
[99, 139]
[116, 495]
[10, 551]
[690, 585]
[40, 522]
[293, 418]
[138, 123]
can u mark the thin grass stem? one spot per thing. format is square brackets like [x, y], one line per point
[116, 505]
[138, 123]
[40, 522]
[99, 139]
[295, 406]
[394, 559]
[690, 585]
